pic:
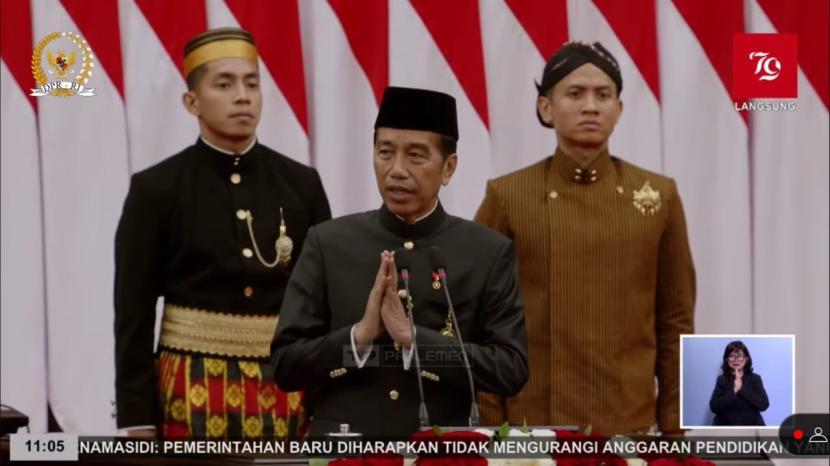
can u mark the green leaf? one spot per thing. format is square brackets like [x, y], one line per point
[437, 431]
[525, 429]
[504, 430]
[588, 430]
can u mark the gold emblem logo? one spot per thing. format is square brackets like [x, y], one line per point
[647, 199]
[61, 64]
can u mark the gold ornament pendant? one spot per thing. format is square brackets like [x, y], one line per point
[284, 244]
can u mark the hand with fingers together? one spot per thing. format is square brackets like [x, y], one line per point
[370, 325]
[384, 310]
[392, 312]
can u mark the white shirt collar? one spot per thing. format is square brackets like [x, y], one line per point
[225, 151]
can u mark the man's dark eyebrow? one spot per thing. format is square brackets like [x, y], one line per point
[229, 75]
[418, 145]
[413, 145]
[580, 86]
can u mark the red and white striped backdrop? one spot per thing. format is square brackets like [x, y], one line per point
[755, 185]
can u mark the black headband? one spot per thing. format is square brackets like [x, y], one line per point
[571, 56]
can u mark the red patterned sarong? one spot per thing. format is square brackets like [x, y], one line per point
[224, 398]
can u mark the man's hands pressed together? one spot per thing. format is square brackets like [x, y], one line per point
[384, 311]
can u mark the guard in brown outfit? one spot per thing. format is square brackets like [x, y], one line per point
[604, 264]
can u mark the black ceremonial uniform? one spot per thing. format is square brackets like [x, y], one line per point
[327, 295]
[183, 235]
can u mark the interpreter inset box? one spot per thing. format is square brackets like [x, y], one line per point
[736, 381]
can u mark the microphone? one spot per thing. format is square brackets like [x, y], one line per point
[439, 265]
[404, 266]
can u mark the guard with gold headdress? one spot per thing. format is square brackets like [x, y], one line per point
[214, 230]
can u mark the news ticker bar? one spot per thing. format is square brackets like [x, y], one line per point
[68, 447]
